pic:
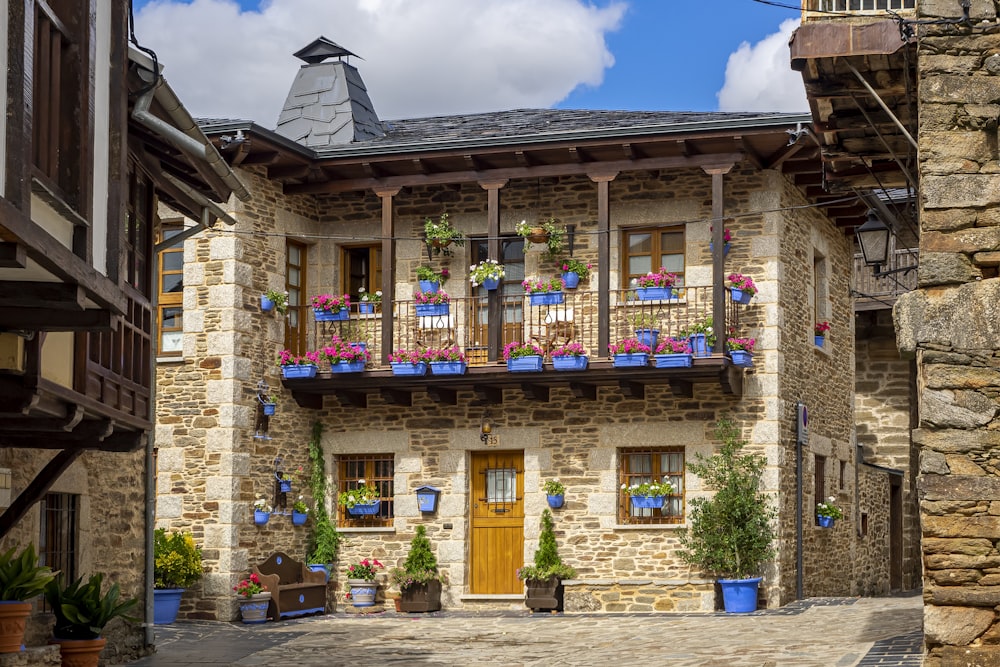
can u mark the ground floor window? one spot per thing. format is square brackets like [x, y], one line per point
[58, 542]
[637, 466]
[355, 470]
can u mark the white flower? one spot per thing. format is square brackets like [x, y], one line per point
[831, 499]
[378, 292]
[361, 482]
[555, 479]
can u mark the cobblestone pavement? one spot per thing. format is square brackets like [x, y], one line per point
[819, 632]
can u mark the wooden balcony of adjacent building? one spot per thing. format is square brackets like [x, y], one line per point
[483, 325]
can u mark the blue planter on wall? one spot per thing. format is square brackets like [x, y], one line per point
[267, 305]
[366, 308]
[347, 366]
[725, 247]
[631, 360]
[429, 285]
[654, 293]
[741, 358]
[330, 316]
[166, 604]
[699, 345]
[529, 364]
[299, 371]
[491, 284]
[820, 340]
[365, 509]
[448, 367]
[555, 502]
[432, 309]
[260, 518]
[298, 518]
[285, 485]
[406, 368]
[269, 409]
[740, 296]
[739, 595]
[647, 502]
[825, 521]
[648, 337]
[572, 279]
[672, 360]
[568, 363]
[546, 298]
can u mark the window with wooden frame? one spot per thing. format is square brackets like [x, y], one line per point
[648, 248]
[361, 268]
[170, 286]
[656, 464]
[376, 470]
[138, 238]
[58, 542]
[820, 482]
[60, 99]
[295, 285]
[821, 290]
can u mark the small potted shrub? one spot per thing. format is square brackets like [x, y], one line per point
[731, 533]
[440, 234]
[363, 499]
[418, 580]
[82, 610]
[827, 513]
[487, 273]
[547, 233]
[555, 492]
[176, 566]
[274, 299]
[369, 302]
[543, 580]
[573, 271]
[300, 511]
[254, 599]
[431, 280]
[21, 578]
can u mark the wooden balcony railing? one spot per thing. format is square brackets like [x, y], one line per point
[878, 7]
[873, 293]
[576, 319]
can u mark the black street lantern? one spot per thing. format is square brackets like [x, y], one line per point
[873, 237]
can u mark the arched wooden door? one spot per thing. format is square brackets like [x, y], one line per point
[497, 526]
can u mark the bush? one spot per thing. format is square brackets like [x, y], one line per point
[420, 565]
[548, 564]
[176, 560]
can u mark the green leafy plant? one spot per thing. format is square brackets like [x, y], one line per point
[548, 564]
[441, 233]
[427, 273]
[827, 508]
[704, 326]
[553, 236]
[325, 541]
[82, 610]
[654, 489]
[280, 299]
[643, 320]
[572, 265]
[21, 577]
[362, 495]
[369, 297]
[420, 565]
[486, 269]
[176, 560]
[249, 587]
[730, 534]
[554, 487]
[300, 506]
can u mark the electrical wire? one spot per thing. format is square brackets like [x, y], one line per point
[145, 49]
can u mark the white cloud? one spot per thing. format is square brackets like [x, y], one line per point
[759, 77]
[421, 58]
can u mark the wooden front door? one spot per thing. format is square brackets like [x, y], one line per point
[497, 529]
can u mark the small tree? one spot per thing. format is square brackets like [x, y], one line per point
[420, 565]
[548, 564]
[730, 534]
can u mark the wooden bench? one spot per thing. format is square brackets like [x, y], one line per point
[295, 589]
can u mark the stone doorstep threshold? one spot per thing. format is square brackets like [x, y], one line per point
[492, 597]
[638, 582]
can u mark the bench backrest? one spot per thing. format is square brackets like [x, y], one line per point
[287, 568]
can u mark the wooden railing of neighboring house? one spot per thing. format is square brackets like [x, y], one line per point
[874, 293]
[822, 8]
[574, 320]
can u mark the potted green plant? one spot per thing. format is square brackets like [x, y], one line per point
[361, 580]
[573, 271]
[21, 578]
[441, 234]
[369, 302]
[646, 326]
[431, 280]
[741, 288]
[254, 599]
[730, 534]
[523, 357]
[418, 580]
[569, 357]
[543, 580]
[827, 513]
[555, 492]
[486, 273]
[331, 308]
[82, 610]
[176, 566]
[363, 499]
[547, 233]
[324, 545]
[274, 299]
[544, 292]
[648, 495]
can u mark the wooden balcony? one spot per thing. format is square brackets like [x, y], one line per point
[876, 293]
[468, 325]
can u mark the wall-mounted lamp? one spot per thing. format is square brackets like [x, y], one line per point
[486, 426]
[873, 238]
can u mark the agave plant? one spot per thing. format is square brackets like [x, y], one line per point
[82, 611]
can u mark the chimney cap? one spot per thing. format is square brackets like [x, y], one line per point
[320, 49]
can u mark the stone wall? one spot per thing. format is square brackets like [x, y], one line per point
[953, 326]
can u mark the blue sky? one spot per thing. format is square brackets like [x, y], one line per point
[432, 57]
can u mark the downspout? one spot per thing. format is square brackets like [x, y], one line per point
[801, 434]
[150, 490]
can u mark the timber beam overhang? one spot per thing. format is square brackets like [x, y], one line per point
[860, 81]
[488, 383]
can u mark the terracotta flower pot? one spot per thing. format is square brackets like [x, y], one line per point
[13, 616]
[80, 652]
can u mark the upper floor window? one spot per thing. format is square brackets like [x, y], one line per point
[362, 268]
[376, 470]
[295, 284]
[859, 5]
[60, 104]
[170, 285]
[137, 241]
[659, 464]
[647, 249]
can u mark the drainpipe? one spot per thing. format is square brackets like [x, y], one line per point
[150, 481]
[801, 435]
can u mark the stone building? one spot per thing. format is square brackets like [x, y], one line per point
[936, 90]
[339, 207]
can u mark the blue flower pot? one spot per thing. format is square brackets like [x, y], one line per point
[572, 279]
[347, 366]
[654, 293]
[319, 567]
[631, 360]
[166, 604]
[429, 285]
[285, 485]
[366, 308]
[267, 305]
[672, 360]
[725, 247]
[448, 367]
[825, 521]
[363, 595]
[298, 518]
[647, 502]
[699, 345]
[297, 372]
[365, 509]
[648, 337]
[555, 502]
[529, 364]
[406, 368]
[491, 284]
[545, 298]
[740, 296]
[260, 518]
[269, 409]
[741, 358]
[432, 309]
[330, 316]
[567, 363]
[819, 340]
[739, 595]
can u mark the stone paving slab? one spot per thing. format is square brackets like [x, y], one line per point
[823, 632]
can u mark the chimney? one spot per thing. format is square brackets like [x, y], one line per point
[328, 104]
